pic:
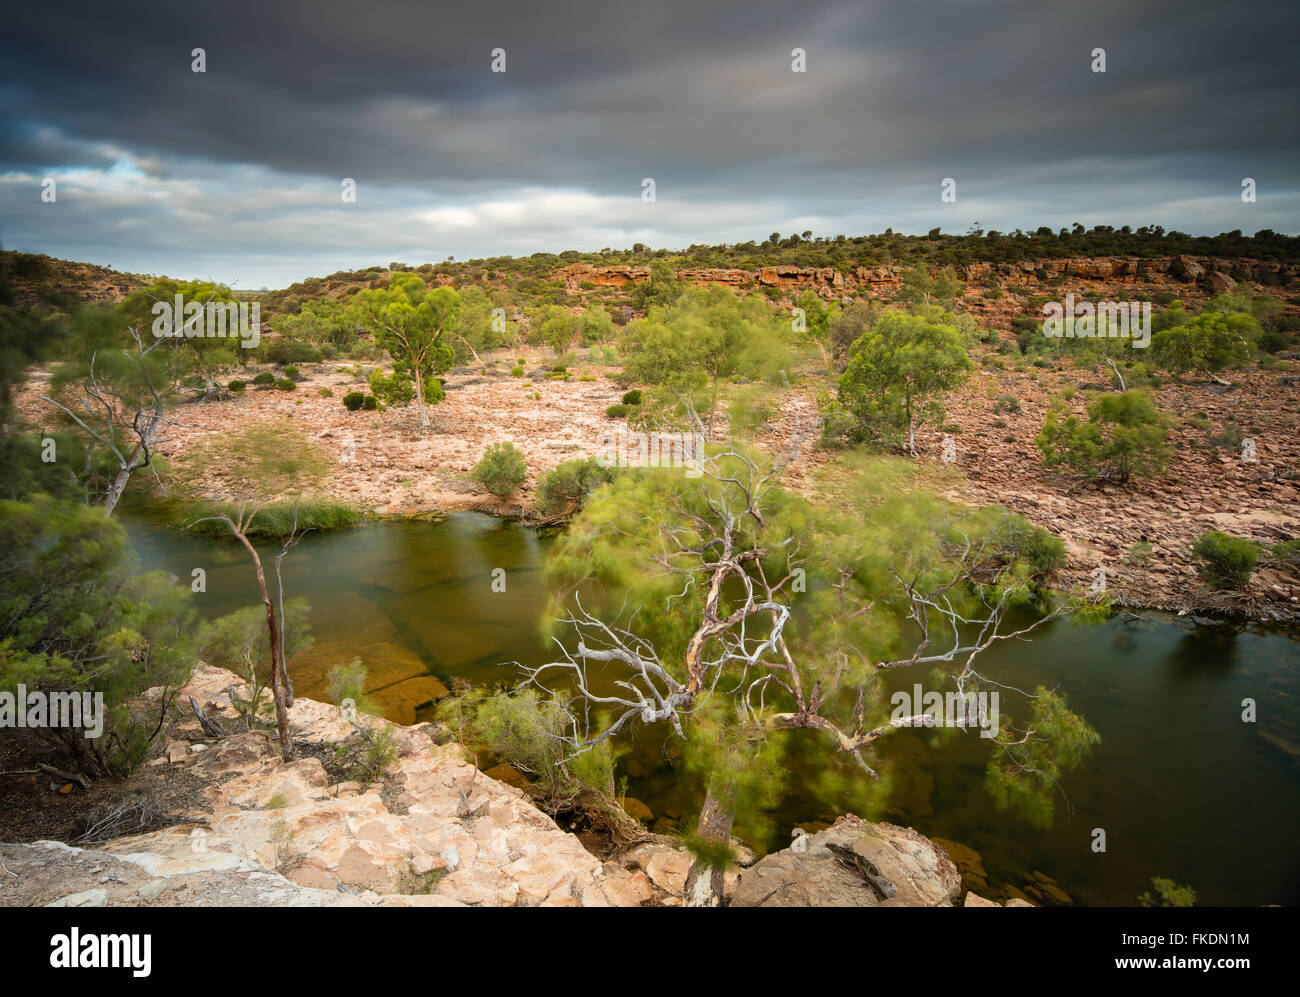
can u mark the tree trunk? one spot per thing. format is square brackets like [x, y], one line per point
[277, 680]
[120, 480]
[419, 400]
[704, 883]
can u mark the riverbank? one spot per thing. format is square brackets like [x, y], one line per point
[428, 830]
[1139, 534]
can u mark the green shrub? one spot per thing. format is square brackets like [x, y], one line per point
[293, 372]
[371, 403]
[1225, 561]
[266, 377]
[1123, 435]
[237, 387]
[502, 469]
[75, 617]
[1139, 555]
[1014, 539]
[348, 681]
[289, 351]
[325, 392]
[1287, 553]
[517, 371]
[564, 489]
[286, 384]
[1006, 403]
[616, 411]
[353, 400]
[632, 397]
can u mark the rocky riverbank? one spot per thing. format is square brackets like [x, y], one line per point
[430, 831]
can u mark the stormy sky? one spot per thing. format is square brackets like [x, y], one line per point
[235, 173]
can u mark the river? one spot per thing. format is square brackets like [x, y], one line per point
[1180, 785]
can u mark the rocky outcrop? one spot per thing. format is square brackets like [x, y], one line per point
[433, 832]
[852, 863]
[996, 292]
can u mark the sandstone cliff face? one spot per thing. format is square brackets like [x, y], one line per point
[435, 833]
[1191, 278]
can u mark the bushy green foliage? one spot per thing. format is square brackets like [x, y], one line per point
[370, 403]
[74, 616]
[237, 387]
[286, 384]
[347, 680]
[632, 397]
[1287, 553]
[896, 375]
[1027, 776]
[265, 377]
[288, 351]
[240, 642]
[293, 373]
[874, 526]
[353, 400]
[706, 336]
[273, 520]
[1208, 343]
[1225, 561]
[1168, 894]
[1123, 436]
[524, 730]
[563, 489]
[502, 469]
[618, 411]
[411, 322]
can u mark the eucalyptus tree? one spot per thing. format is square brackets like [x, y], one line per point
[733, 614]
[412, 322]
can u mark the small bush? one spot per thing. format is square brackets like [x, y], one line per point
[632, 397]
[1006, 403]
[237, 387]
[266, 377]
[371, 404]
[616, 411]
[1139, 555]
[293, 372]
[564, 489]
[288, 351]
[325, 392]
[348, 681]
[517, 371]
[1287, 553]
[1225, 561]
[502, 469]
[353, 400]
[286, 384]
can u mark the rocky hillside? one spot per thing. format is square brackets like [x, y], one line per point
[995, 293]
[432, 832]
[40, 279]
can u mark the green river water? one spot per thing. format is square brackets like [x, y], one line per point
[1181, 786]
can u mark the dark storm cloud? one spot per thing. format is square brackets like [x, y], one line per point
[597, 96]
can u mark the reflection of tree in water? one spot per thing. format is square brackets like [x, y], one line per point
[1206, 649]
